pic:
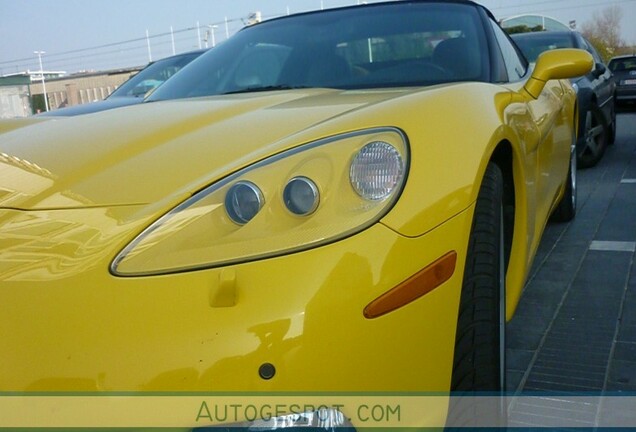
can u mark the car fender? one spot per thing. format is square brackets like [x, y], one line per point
[453, 124]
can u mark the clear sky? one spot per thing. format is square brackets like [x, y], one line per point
[107, 34]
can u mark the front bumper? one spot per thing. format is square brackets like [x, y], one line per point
[288, 324]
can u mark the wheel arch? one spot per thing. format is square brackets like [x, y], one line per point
[502, 157]
[585, 101]
[515, 221]
[576, 119]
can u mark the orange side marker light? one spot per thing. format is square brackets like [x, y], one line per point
[421, 283]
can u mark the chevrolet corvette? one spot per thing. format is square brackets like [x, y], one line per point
[346, 200]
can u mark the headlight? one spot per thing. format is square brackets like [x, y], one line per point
[302, 198]
[243, 201]
[376, 170]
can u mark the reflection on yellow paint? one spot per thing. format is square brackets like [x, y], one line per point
[20, 178]
[45, 245]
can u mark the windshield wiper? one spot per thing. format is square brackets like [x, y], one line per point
[266, 88]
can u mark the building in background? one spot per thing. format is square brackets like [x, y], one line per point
[16, 99]
[15, 96]
[22, 94]
[82, 88]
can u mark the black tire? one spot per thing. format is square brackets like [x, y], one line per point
[612, 134]
[592, 139]
[479, 360]
[566, 210]
[479, 364]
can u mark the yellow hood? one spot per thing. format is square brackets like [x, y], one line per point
[143, 154]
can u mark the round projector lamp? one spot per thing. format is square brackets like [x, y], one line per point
[243, 201]
[301, 196]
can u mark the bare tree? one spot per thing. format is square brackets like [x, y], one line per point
[604, 32]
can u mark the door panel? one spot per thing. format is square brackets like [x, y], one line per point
[553, 147]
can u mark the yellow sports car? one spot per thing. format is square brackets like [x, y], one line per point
[347, 200]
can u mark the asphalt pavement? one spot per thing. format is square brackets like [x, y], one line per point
[575, 327]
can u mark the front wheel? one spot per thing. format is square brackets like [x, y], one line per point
[479, 361]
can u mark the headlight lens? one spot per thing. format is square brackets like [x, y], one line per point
[243, 201]
[376, 171]
[302, 198]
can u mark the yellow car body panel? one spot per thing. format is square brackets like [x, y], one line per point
[16, 123]
[302, 313]
[86, 306]
[74, 193]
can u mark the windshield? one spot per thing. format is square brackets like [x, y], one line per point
[387, 45]
[154, 75]
[533, 44]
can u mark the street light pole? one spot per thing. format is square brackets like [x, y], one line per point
[46, 98]
[212, 28]
[209, 33]
[148, 43]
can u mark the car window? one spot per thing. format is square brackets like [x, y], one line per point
[623, 64]
[533, 44]
[153, 75]
[515, 65]
[383, 46]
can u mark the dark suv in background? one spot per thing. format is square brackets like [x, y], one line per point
[624, 70]
[595, 92]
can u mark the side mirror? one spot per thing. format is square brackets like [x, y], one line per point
[558, 64]
[599, 70]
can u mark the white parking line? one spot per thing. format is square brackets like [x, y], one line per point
[613, 246]
[628, 181]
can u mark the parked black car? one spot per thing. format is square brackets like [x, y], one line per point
[596, 92]
[134, 89]
[624, 70]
